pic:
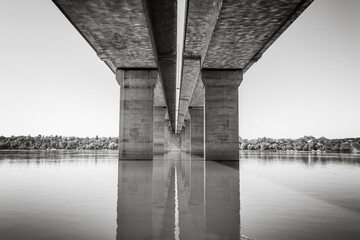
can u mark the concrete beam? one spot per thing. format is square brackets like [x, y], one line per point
[190, 73]
[161, 18]
[201, 20]
[200, 23]
[167, 68]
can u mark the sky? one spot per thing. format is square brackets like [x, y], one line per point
[306, 83]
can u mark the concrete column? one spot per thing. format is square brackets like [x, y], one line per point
[187, 136]
[221, 114]
[136, 113]
[183, 139]
[159, 114]
[166, 136]
[175, 141]
[197, 131]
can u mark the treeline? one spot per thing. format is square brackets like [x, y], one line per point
[307, 143]
[57, 142]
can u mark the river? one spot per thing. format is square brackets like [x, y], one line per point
[265, 196]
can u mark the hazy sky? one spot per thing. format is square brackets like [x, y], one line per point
[307, 83]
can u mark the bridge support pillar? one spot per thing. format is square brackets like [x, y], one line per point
[136, 113]
[187, 136]
[221, 114]
[166, 136]
[159, 133]
[197, 130]
[182, 134]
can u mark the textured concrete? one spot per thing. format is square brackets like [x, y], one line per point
[245, 29]
[201, 20]
[161, 17]
[187, 136]
[221, 114]
[159, 134]
[105, 25]
[197, 131]
[197, 99]
[136, 113]
[190, 73]
[174, 141]
[182, 135]
[159, 98]
[168, 77]
[166, 136]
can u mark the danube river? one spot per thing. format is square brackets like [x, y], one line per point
[265, 196]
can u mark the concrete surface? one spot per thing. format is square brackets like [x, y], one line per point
[136, 113]
[221, 114]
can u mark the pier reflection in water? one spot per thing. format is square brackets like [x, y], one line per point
[175, 197]
[91, 195]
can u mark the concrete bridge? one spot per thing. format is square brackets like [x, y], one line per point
[137, 39]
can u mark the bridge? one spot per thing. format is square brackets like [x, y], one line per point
[180, 89]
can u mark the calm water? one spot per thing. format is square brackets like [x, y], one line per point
[90, 195]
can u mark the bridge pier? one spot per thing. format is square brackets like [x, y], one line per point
[187, 136]
[182, 134]
[159, 133]
[221, 114]
[197, 130]
[166, 136]
[136, 113]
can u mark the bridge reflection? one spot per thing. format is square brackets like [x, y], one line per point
[178, 196]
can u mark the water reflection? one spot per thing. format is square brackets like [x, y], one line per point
[91, 195]
[178, 197]
[58, 195]
[288, 195]
[304, 157]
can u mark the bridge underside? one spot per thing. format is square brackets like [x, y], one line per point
[137, 40]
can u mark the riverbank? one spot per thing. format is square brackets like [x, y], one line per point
[57, 142]
[307, 143]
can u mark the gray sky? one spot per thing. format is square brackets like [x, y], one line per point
[307, 83]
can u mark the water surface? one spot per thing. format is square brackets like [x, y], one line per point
[300, 195]
[90, 195]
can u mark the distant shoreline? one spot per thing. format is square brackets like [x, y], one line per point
[57, 143]
[304, 144]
